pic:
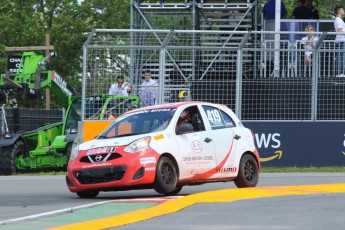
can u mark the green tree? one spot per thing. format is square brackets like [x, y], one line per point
[68, 22]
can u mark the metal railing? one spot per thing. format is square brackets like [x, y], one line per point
[226, 67]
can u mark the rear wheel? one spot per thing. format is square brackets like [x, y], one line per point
[248, 173]
[8, 156]
[166, 177]
[88, 194]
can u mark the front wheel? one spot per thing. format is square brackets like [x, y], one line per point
[8, 156]
[248, 173]
[175, 191]
[88, 194]
[166, 177]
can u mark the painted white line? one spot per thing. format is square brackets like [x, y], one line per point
[151, 199]
[52, 213]
[69, 210]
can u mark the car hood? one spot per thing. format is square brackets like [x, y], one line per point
[118, 141]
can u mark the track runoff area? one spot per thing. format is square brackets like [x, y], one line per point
[136, 210]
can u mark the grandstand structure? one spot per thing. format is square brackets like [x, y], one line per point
[204, 15]
[221, 56]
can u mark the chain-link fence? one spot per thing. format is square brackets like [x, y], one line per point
[259, 78]
[22, 120]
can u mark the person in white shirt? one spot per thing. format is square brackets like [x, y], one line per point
[339, 26]
[148, 90]
[120, 88]
[308, 43]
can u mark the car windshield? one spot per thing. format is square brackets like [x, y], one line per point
[148, 121]
[73, 117]
[92, 111]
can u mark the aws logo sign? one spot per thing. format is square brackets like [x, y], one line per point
[265, 141]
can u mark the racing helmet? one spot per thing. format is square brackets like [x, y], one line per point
[184, 115]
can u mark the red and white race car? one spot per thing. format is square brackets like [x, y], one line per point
[165, 147]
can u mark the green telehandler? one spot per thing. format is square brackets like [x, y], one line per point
[48, 147]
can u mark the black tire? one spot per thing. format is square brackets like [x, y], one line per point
[88, 194]
[8, 157]
[166, 177]
[175, 191]
[248, 173]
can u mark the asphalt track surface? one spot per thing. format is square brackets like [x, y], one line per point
[301, 207]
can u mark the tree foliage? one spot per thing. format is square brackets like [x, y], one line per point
[68, 23]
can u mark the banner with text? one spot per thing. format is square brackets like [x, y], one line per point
[302, 144]
[13, 63]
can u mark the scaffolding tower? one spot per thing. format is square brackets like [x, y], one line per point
[210, 15]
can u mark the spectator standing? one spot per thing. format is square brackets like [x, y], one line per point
[120, 88]
[301, 11]
[148, 90]
[308, 43]
[269, 10]
[269, 14]
[314, 11]
[339, 26]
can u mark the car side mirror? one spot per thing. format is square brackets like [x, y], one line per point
[74, 131]
[185, 128]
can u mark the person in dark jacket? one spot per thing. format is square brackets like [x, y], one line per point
[314, 11]
[301, 11]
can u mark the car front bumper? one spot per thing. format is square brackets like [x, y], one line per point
[127, 171]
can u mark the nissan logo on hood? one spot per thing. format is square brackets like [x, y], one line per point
[98, 158]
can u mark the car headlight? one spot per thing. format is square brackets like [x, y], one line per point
[138, 145]
[74, 153]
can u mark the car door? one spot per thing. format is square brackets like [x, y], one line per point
[196, 148]
[223, 139]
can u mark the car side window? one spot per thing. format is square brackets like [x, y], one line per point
[228, 122]
[218, 118]
[191, 115]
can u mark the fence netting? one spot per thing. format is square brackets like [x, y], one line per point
[259, 78]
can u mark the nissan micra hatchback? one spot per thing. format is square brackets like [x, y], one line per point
[165, 147]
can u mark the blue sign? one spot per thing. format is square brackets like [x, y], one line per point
[301, 144]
